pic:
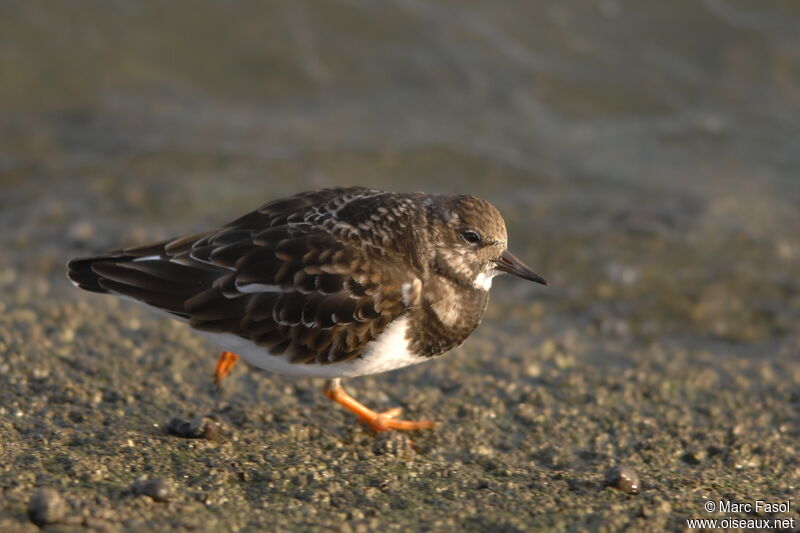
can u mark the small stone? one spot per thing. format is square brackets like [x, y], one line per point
[623, 478]
[46, 506]
[158, 489]
[393, 443]
[533, 370]
[67, 334]
[202, 427]
[695, 455]
[112, 396]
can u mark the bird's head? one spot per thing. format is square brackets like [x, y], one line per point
[470, 243]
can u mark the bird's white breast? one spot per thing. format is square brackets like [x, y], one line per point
[389, 351]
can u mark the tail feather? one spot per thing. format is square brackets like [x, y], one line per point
[145, 274]
[82, 275]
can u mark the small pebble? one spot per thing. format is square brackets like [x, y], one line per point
[202, 427]
[623, 478]
[158, 489]
[393, 443]
[695, 455]
[46, 506]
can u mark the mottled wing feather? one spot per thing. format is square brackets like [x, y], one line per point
[327, 298]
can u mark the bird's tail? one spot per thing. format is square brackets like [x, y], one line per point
[150, 274]
[81, 274]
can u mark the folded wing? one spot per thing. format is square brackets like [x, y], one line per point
[268, 277]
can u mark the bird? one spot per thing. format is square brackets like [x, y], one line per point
[333, 283]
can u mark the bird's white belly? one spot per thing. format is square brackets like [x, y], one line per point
[389, 351]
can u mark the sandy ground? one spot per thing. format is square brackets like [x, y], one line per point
[534, 410]
[654, 185]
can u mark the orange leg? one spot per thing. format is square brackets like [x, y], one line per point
[376, 421]
[225, 364]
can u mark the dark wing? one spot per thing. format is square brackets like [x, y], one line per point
[302, 294]
[269, 276]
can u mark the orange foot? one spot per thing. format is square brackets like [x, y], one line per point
[376, 421]
[225, 364]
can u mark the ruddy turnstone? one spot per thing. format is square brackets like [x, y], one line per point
[334, 283]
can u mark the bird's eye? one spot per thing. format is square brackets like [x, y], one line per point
[470, 236]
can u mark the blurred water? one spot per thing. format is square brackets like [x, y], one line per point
[645, 153]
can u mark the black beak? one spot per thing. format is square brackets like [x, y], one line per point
[508, 262]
